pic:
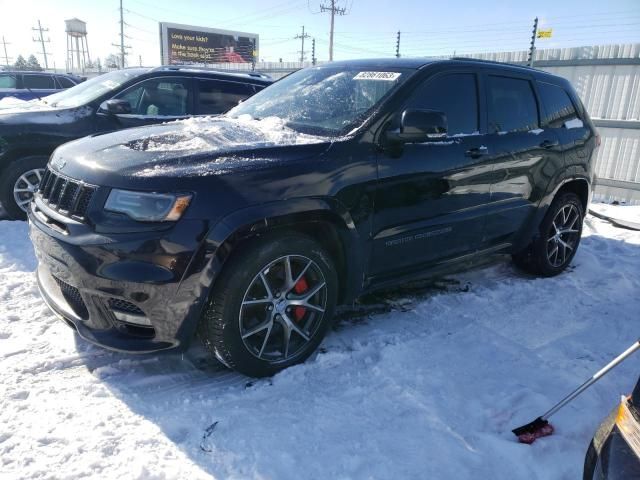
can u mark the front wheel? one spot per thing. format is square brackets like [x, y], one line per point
[558, 238]
[18, 183]
[271, 305]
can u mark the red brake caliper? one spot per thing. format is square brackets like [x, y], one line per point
[301, 286]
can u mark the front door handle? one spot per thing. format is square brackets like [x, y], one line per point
[549, 144]
[477, 152]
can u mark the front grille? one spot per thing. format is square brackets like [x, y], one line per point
[65, 195]
[124, 306]
[73, 298]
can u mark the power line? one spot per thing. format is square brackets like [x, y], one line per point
[42, 41]
[123, 47]
[333, 10]
[6, 56]
[302, 37]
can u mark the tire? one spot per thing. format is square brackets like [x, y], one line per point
[567, 212]
[12, 178]
[252, 294]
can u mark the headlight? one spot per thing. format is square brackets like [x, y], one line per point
[147, 207]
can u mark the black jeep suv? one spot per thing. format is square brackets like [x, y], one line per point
[251, 227]
[113, 101]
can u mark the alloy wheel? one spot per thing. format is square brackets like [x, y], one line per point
[283, 308]
[563, 235]
[26, 186]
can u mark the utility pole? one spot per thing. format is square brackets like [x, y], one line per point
[122, 46]
[313, 51]
[398, 45]
[253, 55]
[532, 48]
[302, 37]
[6, 56]
[42, 42]
[333, 10]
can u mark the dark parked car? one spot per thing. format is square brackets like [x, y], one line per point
[614, 452]
[30, 85]
[334, 181]
[113, 101]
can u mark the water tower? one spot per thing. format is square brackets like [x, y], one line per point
[78, 54]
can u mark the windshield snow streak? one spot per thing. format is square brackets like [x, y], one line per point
[321, 100]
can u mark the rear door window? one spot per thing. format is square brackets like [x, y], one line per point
[159, 97]
[560, 110]
[7, 81]
[39, 82]
[456, 95]
[217, 96]
[511, 104]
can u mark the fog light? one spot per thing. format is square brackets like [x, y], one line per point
[132, 318]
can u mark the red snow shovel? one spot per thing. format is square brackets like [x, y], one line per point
[541, 427]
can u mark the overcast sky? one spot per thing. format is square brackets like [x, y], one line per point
[368, 30]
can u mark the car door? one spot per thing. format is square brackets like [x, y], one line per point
[154, 100]
[39, 85]
[430, 199]
[214, 97]
[562, 117]
[525, 155]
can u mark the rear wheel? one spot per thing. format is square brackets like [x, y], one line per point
[558, 238]
[271, 306]
[18, 182]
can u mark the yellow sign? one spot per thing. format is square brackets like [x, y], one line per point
[545, 33]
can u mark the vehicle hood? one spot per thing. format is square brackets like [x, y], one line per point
[195, 147]
[36, 112]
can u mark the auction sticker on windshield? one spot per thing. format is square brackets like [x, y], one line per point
[386, 76]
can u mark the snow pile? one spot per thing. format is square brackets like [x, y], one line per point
[428, 387]
[11, 102]
[212, 134]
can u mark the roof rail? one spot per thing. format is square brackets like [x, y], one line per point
[490, 62]
[166, 68]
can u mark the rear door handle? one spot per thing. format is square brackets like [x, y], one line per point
[549, 144]
[477, 152]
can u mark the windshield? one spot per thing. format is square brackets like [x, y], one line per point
[323, 100]
[92, 89]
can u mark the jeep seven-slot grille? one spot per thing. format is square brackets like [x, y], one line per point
[67, 196]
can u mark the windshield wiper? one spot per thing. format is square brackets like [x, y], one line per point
[33, 93]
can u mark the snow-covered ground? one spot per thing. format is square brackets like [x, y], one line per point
[426, 383]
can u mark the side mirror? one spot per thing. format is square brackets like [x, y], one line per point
[115, 107]
[420, 126]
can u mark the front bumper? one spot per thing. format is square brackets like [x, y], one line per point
[611, 456]
[91, 280]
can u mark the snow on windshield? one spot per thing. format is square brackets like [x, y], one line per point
[325, 99]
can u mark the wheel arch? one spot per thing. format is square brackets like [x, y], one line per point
[566, 181]
[324, 220]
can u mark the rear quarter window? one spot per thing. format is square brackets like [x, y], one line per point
[65, 82]
[560, 110]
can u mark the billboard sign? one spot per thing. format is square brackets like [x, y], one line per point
[187, 45]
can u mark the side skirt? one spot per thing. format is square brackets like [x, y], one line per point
[433, 270]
